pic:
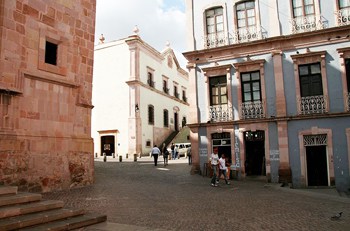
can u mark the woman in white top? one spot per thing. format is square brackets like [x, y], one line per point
[223, 168]
[214, 162]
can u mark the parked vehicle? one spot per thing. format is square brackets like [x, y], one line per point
[181, 148]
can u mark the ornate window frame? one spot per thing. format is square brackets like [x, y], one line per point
[308, 58]
[314, 131]
[344, 53]
[250, 66]
[62, 52]
[224, 14]
[257, 16]
[219, 70]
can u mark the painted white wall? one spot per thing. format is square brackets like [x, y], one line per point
[110, 95]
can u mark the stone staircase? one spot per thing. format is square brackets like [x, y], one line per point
[27, 211]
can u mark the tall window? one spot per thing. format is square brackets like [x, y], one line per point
[150, 79]
[150, 114]
[251, 88]
[184, 98]
[347, 69]
[218, 90]
[176, 93]
[215, 21]
[246, 19]
[165, 86]
[310, 80]
[166, 118]
[303, 8]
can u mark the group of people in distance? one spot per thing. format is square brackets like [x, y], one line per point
[174, 154]
[219, 167]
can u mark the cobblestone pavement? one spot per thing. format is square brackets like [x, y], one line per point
[140, 196]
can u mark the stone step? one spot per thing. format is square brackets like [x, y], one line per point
[12, 199]
[21, 209]
[69, 223]
[6, 190]
[17, 222]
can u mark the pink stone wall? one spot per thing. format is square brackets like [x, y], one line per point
[45, 109]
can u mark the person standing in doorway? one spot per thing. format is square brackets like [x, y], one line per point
[223, 168]
[155, 154]
[214, 159]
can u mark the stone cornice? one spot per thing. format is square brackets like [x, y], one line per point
[279, 43]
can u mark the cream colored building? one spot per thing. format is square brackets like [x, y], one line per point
[139, 96]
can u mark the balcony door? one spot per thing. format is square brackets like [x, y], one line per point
[246, 19]
[215, 27]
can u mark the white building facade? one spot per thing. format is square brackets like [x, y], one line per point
[139, 97]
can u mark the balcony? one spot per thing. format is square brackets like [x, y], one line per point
[150, 83]
[306, 24]
[348, 101]
[216, 40]
[252, 110]
[247, 35]
[343, 17]
[176, 95]
[313, 104]
[220, 113]
[184, 98]
[240, 36]
[166, 90]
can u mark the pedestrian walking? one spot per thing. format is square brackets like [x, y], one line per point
[155, 153]
[189, 155]
[214, 159]
[165, 154]
[172, 151]
[223, 168]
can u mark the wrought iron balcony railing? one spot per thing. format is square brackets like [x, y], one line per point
[240, 36]
[220, 113]
[343, 17]
[308, 23]
[247, 35]
[151, 83]
[166, 90]
[252, 110]
[313, 104]
[348, 99]
[216, 40]
[184, 98]
[176, 95]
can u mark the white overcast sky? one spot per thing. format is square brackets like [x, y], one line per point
[159, 21]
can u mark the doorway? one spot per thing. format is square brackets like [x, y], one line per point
[222, 141]
[176, 121]
[255, 153]
[107, 145]
[316, 162]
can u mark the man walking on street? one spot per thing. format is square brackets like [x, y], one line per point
[155, 153]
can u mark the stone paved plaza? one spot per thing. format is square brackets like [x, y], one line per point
[140, 196]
